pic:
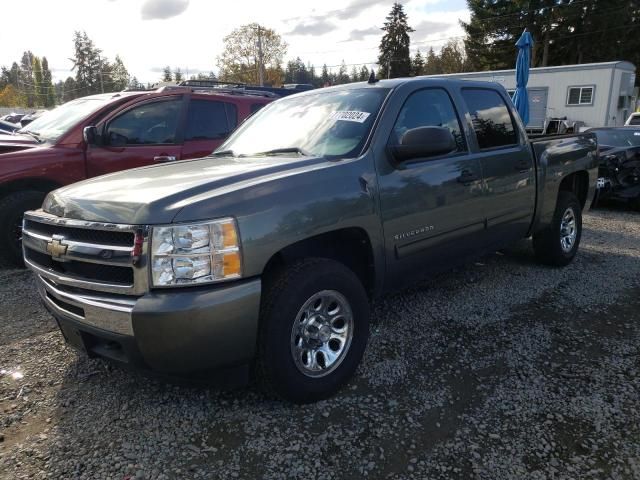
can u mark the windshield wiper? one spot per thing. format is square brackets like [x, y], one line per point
[277, 151]
[34, 135]
[223, 153]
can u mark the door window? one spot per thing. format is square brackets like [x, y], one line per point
[153, 123]
[208, 120]
[491, 119]
[428, 108]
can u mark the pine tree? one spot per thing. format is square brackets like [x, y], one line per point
[343, 76]
[354, 74]
[394, 59]
[38, 87]
[87, 64]
[177, 75]
[324, 76]
[119, 75]
[417, 65]
[49, 99]
[70, 90]
[26, 84]
[432, 64]
[364, 73]
[167, 74]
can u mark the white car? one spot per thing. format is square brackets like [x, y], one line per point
[634, 119]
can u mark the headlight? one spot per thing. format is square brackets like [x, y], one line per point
[195, 253]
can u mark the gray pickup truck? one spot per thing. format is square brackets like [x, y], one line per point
[262, 258]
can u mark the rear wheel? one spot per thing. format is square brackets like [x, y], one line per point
[313, 331]
[558, 244]
[12, 208]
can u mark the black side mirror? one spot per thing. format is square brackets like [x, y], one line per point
[423, 142]
[90, 135]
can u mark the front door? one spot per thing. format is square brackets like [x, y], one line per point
[537, 107]
[144, 134]
[507, 165]
[430, 207]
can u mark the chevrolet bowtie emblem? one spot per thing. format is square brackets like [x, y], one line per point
[56, 248]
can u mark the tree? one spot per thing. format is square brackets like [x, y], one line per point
[343, 76]
[119, 75]
[432, 64]
[87, 64]
[564, 31]
[25, 79]
[38, 89]
[364, 73]
[240, 58]
[177, 75]
[324, 76]
[167, 74]
[394, 59]
[452, 58]
[49, 97]
[417, 65]
[69, 90]
[11, 97]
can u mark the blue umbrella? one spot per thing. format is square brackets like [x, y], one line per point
[520, 98]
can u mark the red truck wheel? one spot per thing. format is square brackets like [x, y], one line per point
[12, 208]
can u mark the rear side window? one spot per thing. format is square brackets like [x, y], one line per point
[491, 119]
[430, 107]
[208, 120]
[256, 106]
[151, 123]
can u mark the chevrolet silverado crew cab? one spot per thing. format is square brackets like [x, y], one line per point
[261, 259]
[131, 129]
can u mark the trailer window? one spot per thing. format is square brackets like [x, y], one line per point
[580, 96]
[491, 119]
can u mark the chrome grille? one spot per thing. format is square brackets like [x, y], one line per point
[87, 255]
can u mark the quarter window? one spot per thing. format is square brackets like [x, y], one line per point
[152, 123]
[580, 96]
[208, 120]
[431, 107]
[491, 119]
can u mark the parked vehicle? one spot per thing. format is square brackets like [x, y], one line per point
[13, 118]
[126, 130]
[8, 127]
[30, 117]
[634, 119]
[263, 257]
[619, 164]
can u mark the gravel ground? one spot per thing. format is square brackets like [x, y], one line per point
[503, 369]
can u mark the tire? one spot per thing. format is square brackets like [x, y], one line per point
[285, 364]
[12, 208]
[553, 248]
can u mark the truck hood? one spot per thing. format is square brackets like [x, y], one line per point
[156, 194]
[12, 143]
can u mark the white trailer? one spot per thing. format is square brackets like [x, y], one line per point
[597, 94]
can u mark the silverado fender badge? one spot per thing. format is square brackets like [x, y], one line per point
[413, 233]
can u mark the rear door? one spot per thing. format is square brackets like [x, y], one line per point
[209, 123]
[429, 206]
[143, 134]
[507, 164]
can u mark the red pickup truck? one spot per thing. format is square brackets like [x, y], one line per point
[106, 133]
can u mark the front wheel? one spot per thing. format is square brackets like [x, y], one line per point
[558, 243]
[313, 331]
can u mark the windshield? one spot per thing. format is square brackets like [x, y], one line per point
[331, 123]
[53, 124]
[619, 138]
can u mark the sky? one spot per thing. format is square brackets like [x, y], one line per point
[188, 34]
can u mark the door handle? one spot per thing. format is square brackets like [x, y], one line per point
[467, 176]
[164, 158]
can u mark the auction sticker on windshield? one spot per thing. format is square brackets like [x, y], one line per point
[350, 116]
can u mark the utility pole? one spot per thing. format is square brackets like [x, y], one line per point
[101, 81]
[260, 67]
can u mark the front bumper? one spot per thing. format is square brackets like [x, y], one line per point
[177, 332]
